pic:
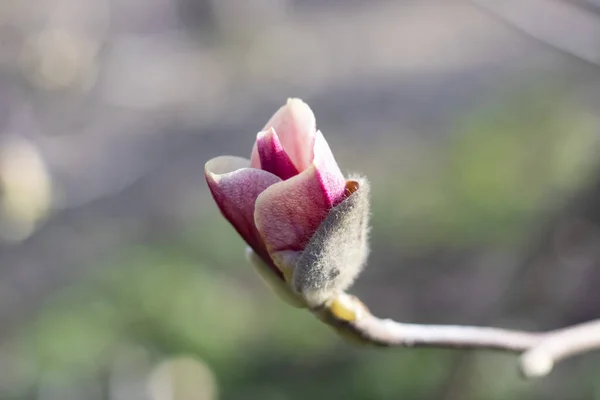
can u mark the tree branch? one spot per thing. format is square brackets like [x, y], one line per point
[351, 318]
[558, 345]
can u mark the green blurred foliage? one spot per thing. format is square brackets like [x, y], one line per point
[501, 169]
[257, 346]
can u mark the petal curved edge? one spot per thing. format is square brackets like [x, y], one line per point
[235, 188]
[328, 173]
[225, 164]
[273, 157]
[296, 126]
[289, 213]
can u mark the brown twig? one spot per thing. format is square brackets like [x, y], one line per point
[348, 315]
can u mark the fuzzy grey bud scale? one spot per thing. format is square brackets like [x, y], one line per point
[338, 250]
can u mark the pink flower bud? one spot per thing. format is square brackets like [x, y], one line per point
[280, 198]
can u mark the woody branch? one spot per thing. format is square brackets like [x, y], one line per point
[539, 350]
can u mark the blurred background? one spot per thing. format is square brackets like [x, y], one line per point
[476, 121]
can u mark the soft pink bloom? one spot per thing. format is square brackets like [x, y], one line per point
[278, 198]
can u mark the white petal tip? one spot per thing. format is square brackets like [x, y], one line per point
[294, 100]
[224, 164]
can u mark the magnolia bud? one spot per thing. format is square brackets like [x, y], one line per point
[305, 223]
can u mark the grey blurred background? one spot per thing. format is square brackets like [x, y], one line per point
[476, 121]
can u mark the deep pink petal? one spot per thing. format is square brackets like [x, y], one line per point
[273, 158]
[288, 213]
[235, 188]
[296, 127]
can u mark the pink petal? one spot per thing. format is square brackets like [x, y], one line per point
[288, 213]
[329, 174]
[295, 124]
[273, 158]
[255, 158]
[235, 188]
